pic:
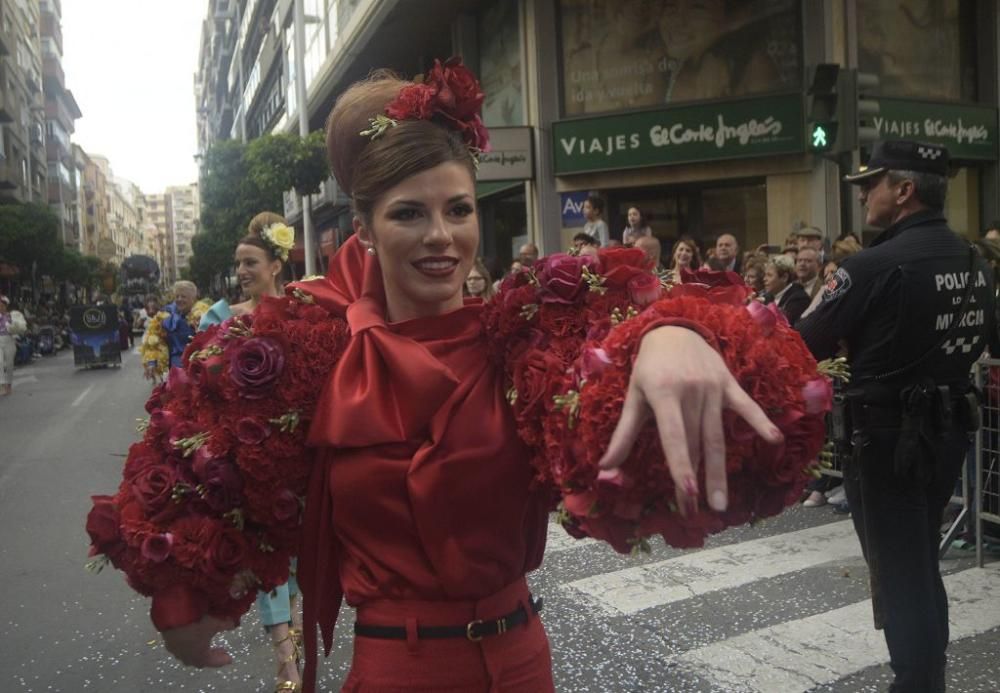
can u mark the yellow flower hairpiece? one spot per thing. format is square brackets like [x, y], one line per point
[281, 238]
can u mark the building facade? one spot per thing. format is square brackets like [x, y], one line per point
[159, 219]
[22, 104]
[94, 217]
[185, 205]
[698, 116]
[61, 111]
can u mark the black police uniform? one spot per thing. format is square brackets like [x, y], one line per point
[910, 405]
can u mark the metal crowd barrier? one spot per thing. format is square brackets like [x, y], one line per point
[979, 498]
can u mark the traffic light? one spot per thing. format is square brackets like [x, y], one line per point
[824, 108]
[866, 88]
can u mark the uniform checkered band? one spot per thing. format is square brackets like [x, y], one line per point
[929, 153]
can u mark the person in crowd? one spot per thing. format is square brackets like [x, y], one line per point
[636, 228]
[807, 271]
[171, 330]
[653, 248]
[421, 508]
[12, 324]
[479, 284]
[585, 243]
[595, 226]
[727, 252]
[910, 401]
[810, 237]
[781, 288]
[683, 256]
[260, 260]
[753, 273]
[992, 232]
[528, 254]
[842, 249]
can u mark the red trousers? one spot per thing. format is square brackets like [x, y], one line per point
[517, 660]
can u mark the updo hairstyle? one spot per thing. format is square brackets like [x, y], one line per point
[255, 234]
[365, 168]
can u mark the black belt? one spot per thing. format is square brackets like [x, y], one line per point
[473, 630]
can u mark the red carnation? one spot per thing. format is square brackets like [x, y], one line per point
[619, 265]
[644, 288]
[102, 526]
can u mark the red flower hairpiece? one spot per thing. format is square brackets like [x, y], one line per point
[449, 93]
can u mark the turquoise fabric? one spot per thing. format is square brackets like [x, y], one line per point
[219, 312]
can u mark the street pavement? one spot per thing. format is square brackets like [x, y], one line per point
[781, 607]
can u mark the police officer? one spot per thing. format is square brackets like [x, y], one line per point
[914, 311]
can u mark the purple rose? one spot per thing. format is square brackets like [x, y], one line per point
[255, 365]
[561, 277]
[250, 431]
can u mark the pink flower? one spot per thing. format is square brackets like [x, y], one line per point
[561, 277]
[768, 317]
[594, 361]
[156, 547]
[818, 394]
[644, 288]
[250, 431]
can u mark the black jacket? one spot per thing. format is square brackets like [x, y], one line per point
[794, 302]
[893, 302]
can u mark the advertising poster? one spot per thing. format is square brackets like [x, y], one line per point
[626, 54]
[94, 335]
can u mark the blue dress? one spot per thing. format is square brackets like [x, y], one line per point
[275, 607]
[178, 332]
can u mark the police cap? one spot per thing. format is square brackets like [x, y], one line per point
[902, 155]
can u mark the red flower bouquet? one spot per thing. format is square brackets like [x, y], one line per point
[211, 498]
[567, 332]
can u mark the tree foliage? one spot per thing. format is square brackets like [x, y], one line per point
[240, 180]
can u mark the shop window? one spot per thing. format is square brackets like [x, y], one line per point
[625, 54]
[923, 50]
[500, 64]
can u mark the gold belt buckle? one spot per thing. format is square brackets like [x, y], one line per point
[468, 630]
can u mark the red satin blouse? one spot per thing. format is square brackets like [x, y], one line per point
[422, 488]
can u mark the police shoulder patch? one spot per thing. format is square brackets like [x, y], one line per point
[838, 285]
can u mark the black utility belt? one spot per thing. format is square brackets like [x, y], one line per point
[473, 630]
[956, 412]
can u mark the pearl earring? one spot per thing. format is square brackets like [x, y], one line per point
[371, 250]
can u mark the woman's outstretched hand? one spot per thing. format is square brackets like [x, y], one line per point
[192, 644]
[684, 383]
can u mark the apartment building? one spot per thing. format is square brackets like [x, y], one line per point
[185, 204]
[158, 218]
[61, 111]
[22, 105]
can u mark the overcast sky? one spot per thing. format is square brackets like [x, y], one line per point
[130, 64]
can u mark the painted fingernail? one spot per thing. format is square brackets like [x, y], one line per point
[776, 434]
[718, 500]
[608, 474]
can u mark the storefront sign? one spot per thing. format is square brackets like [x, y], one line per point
[969, 132]
[705, 132]
[510, 156]
[572, 208]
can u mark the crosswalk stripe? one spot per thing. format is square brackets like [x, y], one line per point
[633, 589]
[18, 382]
[799, 655]
[558, 540]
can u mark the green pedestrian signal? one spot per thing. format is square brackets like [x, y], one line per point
[819, 138]
[822, 137]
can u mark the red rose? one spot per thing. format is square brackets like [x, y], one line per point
[153, 487]
[459, 92]
[711, 277]
[156, 547]
[103, 526]
[560, 277]
[225, 553]
[644, 288]
[537, 376]
[619, 265]
[254, 365]
[161, 421]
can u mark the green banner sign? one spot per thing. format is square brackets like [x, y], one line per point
[969, 132]
[685, 134]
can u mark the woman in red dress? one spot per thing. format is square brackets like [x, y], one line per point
[421, 509]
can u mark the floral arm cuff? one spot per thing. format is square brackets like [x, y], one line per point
[210, 504]
[569, 333]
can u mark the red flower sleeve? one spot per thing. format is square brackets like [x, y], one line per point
[209, 506]
[567, 334]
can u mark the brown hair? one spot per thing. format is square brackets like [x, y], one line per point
[255, 234]
[695, 253]
[366, 168]
[480, 266]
